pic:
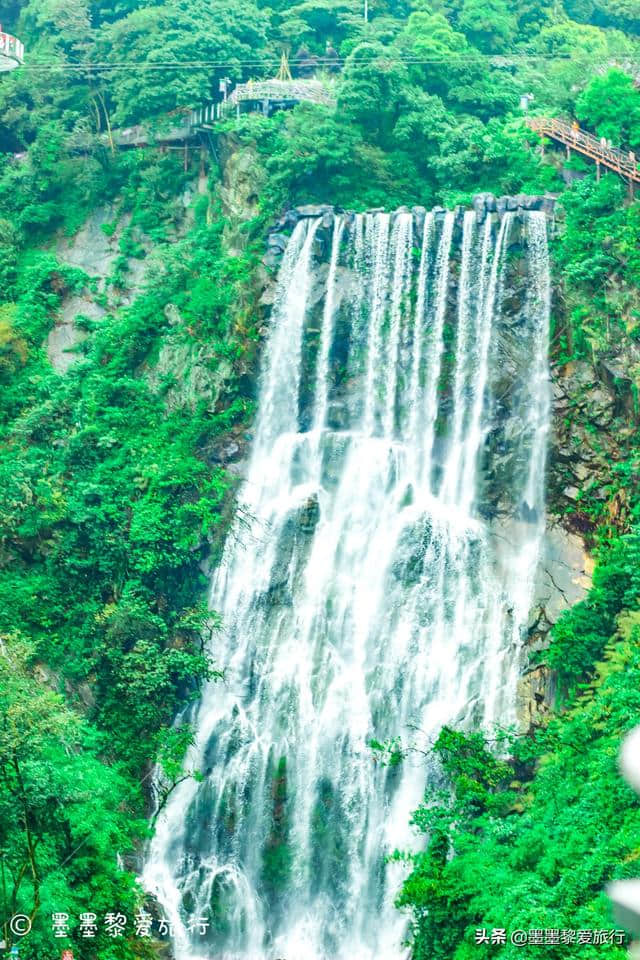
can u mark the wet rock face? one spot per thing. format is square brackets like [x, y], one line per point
[193, 370]
[591, 427]
[293, 546]
[503, 456]
[95, 252]
[239, 191]
[92, 249]
[484, 203]
[563, 579]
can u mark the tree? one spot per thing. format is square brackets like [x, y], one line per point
[622, 14]
[610, 105]
[451, 68]
[151, 37]
[319, 21]
[63, 814]
[372, 92]
[488, 24]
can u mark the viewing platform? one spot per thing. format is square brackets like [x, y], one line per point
[11, 52]
[271, 95]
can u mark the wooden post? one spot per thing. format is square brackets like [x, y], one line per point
[598, 171]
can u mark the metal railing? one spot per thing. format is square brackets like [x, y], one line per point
[280, 91]
[11, 48]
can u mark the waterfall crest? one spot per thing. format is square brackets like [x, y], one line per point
[395, 487]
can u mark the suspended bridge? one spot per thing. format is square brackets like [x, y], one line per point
[597, 150]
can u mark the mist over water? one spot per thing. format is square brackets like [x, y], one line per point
[377, 581]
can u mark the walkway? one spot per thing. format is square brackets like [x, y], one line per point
[184, 125]
[624, 164]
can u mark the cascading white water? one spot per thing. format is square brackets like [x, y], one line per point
[383, 582]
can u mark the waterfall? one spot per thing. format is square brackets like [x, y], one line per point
[377, 581]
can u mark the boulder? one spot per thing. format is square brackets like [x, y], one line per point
[419, 215]
[483, 203]
[535, 696]
[228, 453]
[286, 222]
[615, 376]
[172, 314]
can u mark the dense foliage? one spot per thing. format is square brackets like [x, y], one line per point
[109, 507]
[532, 852]
[112, 499]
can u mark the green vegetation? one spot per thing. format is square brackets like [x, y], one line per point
[533, 840]
[109, 505]
[111, 494]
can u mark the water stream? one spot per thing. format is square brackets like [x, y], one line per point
[381, 586]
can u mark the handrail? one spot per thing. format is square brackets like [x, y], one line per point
[11, 47]
[573, 137]
[312, 90]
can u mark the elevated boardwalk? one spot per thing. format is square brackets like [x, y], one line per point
[624, 164]
[266, 96]
[11, 52]
[270, 95]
